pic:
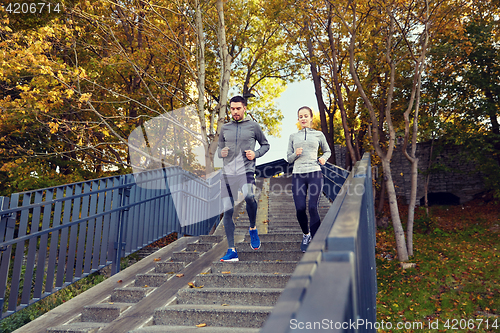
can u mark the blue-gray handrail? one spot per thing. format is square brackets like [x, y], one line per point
[50, 238]
[334, 285]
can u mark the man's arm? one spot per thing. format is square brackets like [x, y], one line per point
[262, 140]
[221, 143]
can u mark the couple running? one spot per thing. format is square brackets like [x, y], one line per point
[237, 149]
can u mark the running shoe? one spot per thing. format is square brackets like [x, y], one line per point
[254, 239]
[231, 255]
[306, 239]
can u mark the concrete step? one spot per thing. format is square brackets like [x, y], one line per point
[256, 255]
[77, 328]
[211, 239]
[269, 246]
[254, 267]
[278, 237]
[284, 223]
[169, 267]
[212, 315]
[249, 280]
[130, 294]
[190, 329]
[230, 296]
[151, 279]
[103, 312]
[185, 256]
[199, 247]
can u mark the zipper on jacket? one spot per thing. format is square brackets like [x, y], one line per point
[305, 133]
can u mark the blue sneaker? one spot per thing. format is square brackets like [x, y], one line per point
[254, 239]
[231, 255]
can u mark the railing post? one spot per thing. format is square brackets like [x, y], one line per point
[124, 194]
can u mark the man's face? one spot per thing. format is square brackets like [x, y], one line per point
[237, 110]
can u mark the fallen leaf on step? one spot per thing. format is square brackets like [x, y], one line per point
[180, 275]
[156, 259]
[226, 272]
[224, 304]
[191, 284]
[201, 325]
[145, 286]
[111, 303]
[276, 273]
[119, 281]
[266, 221]
[205, 273]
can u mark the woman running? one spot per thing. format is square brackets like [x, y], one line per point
[306, 175]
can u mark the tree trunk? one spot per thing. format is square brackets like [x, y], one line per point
[414, 103]
[393, 205]
[339, 95]
[385, 157]
[321, 103]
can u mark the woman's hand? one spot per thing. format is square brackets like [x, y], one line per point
[322, 161]
[298, 152]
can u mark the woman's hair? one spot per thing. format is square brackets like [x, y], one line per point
[307, 108]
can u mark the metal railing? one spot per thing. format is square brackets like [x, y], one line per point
[53, 237]
[334, 286]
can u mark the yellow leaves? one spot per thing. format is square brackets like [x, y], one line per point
[201, 325]
[85, 97]
[69, 92]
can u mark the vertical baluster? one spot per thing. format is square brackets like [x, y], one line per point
[73, 238]
[7, 226]
[42, 251]
[84, 208]
[93, 188]
[54, 241]
[32, 248]
[19, 255]
[114, 246]
[98, 185]
[107, 238]
[61, 267]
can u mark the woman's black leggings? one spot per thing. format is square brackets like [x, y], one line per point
[302, 183]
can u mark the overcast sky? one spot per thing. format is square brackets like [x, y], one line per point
[296, 95]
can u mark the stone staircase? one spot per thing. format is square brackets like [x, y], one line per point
[193, 289]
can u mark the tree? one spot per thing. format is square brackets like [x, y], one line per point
[103, 69]
[463, 83]
[396, 35]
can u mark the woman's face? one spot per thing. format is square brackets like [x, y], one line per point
[305, 119]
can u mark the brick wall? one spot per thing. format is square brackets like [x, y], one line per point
[458, 176]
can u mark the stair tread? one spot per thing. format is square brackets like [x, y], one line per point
[191, 329]
[216, 308]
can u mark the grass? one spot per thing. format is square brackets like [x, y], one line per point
[455, 285]
[24, 316]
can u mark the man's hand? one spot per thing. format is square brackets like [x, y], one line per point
[224, 151]
[322, 161]
[298, 152]
[250, 154]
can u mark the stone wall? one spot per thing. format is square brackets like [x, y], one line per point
[457, 175]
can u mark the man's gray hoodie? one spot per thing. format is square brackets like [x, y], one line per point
[309, 140]
[238, 137]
